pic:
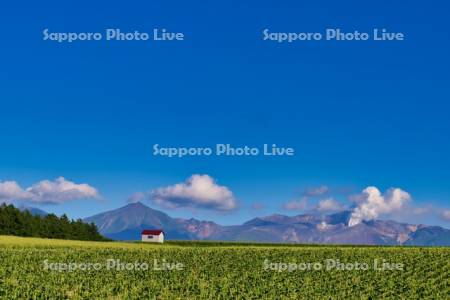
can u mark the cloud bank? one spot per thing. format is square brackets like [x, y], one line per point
[198, 191]
[371, 204]
[46, 192]
[329, 205]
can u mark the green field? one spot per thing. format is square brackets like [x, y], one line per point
[29, 270]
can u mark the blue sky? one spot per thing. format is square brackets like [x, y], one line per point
[357, 113]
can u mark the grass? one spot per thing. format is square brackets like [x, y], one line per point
[216, 270]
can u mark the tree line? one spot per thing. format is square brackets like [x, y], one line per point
[22, 223]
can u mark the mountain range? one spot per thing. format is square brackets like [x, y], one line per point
[126, 223]
[34, 211]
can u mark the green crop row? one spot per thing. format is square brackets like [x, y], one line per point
[38, 269]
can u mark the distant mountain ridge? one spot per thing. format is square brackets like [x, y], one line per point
[127, 222]
[34, 211]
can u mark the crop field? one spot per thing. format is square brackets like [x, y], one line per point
[32, 268]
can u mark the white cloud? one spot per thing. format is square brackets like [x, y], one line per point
[199, 191]
[296, 204]
[329, 205]
[49, 192]
[446, 215]
[10, 190]
[316, 191]
[137, 197]
[371, 204]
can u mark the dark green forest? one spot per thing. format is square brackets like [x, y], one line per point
[22, 223]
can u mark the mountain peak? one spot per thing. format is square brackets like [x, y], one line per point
[136, 204]
[342, 217]
[34, 211]
[126, 223]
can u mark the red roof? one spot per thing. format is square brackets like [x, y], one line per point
[151, 232]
